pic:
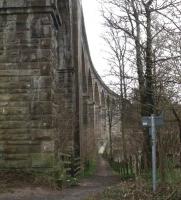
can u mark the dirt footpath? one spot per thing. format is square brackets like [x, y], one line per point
[87, 187]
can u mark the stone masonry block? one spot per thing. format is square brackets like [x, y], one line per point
[42, 160]
[47, 146]
[25, 3]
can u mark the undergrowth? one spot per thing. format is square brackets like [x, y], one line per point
[89, 168]
[140, 187]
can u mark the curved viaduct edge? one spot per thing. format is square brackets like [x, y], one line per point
[99, 103]
[95, 73]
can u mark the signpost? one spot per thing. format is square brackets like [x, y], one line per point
[152, 122]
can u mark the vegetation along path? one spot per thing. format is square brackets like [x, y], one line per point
[102, 178]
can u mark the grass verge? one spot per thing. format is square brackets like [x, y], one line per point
[89, 169]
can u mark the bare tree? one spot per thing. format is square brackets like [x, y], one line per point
[116, 60]
[137, 19]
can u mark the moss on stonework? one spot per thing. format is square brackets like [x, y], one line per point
[13, 164]
[1, 151]
[43, 160]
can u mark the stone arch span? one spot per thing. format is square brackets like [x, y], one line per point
[100, 94]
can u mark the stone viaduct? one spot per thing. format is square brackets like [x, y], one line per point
[52, 100]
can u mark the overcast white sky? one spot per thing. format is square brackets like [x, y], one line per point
[94, 29]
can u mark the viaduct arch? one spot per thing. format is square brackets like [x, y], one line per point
[52, 99]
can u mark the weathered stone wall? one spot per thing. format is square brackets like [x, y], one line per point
[51, 98]
[27, 63]
[64, 94]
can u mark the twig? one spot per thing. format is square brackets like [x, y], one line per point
[171, 195]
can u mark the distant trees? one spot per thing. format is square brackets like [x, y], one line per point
[118, 46]
[145, 34]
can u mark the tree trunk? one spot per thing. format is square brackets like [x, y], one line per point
[179, 126]
[149, 66]
[149, 99]
[110, 142]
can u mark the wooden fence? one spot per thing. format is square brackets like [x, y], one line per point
[125, 169]
[71, 164]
